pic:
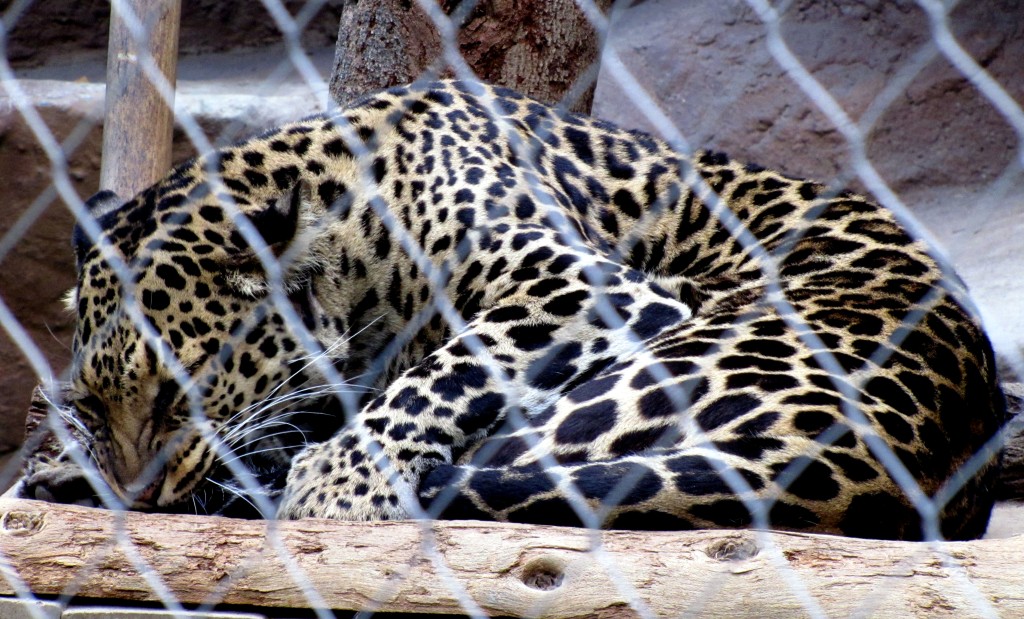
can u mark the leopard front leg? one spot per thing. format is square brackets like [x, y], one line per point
[540, 338]
[424, 419]
[340, 479]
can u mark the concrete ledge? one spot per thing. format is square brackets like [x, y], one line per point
[15, 608]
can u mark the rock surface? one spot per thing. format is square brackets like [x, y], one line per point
[708, 66]
[54, 31]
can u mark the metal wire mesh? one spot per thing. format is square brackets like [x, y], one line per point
[294, 61]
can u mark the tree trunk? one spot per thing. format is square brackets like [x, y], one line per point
[543, 48]
[504, 569]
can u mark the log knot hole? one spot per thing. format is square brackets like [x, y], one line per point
[732, 549]
[21, 523]
[543, 574]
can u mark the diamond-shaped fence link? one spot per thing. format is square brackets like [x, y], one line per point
[297, 78]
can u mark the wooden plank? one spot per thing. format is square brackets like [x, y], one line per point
[504, 569]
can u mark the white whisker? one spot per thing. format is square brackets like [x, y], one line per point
[234, 491]
[239, 447]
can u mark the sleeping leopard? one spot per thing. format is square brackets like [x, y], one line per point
[450, 300]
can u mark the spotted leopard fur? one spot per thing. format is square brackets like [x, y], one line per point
[589, 334]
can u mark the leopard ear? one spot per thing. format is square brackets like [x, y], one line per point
[277, 221]
[287, 232]
[98, 206]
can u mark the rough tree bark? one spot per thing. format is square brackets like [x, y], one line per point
[510, 570]
[543, 48]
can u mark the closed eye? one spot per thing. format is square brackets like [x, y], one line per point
[90, 411]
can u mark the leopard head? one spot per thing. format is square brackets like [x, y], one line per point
[185, 357]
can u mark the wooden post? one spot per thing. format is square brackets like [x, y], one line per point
[139, 121]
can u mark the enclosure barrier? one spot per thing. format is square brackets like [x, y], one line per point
[58, 559]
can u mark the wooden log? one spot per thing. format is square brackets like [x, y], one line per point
[504, 569]
[138, 123]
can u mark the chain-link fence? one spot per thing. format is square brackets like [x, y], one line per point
[67, 560]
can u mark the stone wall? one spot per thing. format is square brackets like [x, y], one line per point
[52, 30]
[709, 66]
